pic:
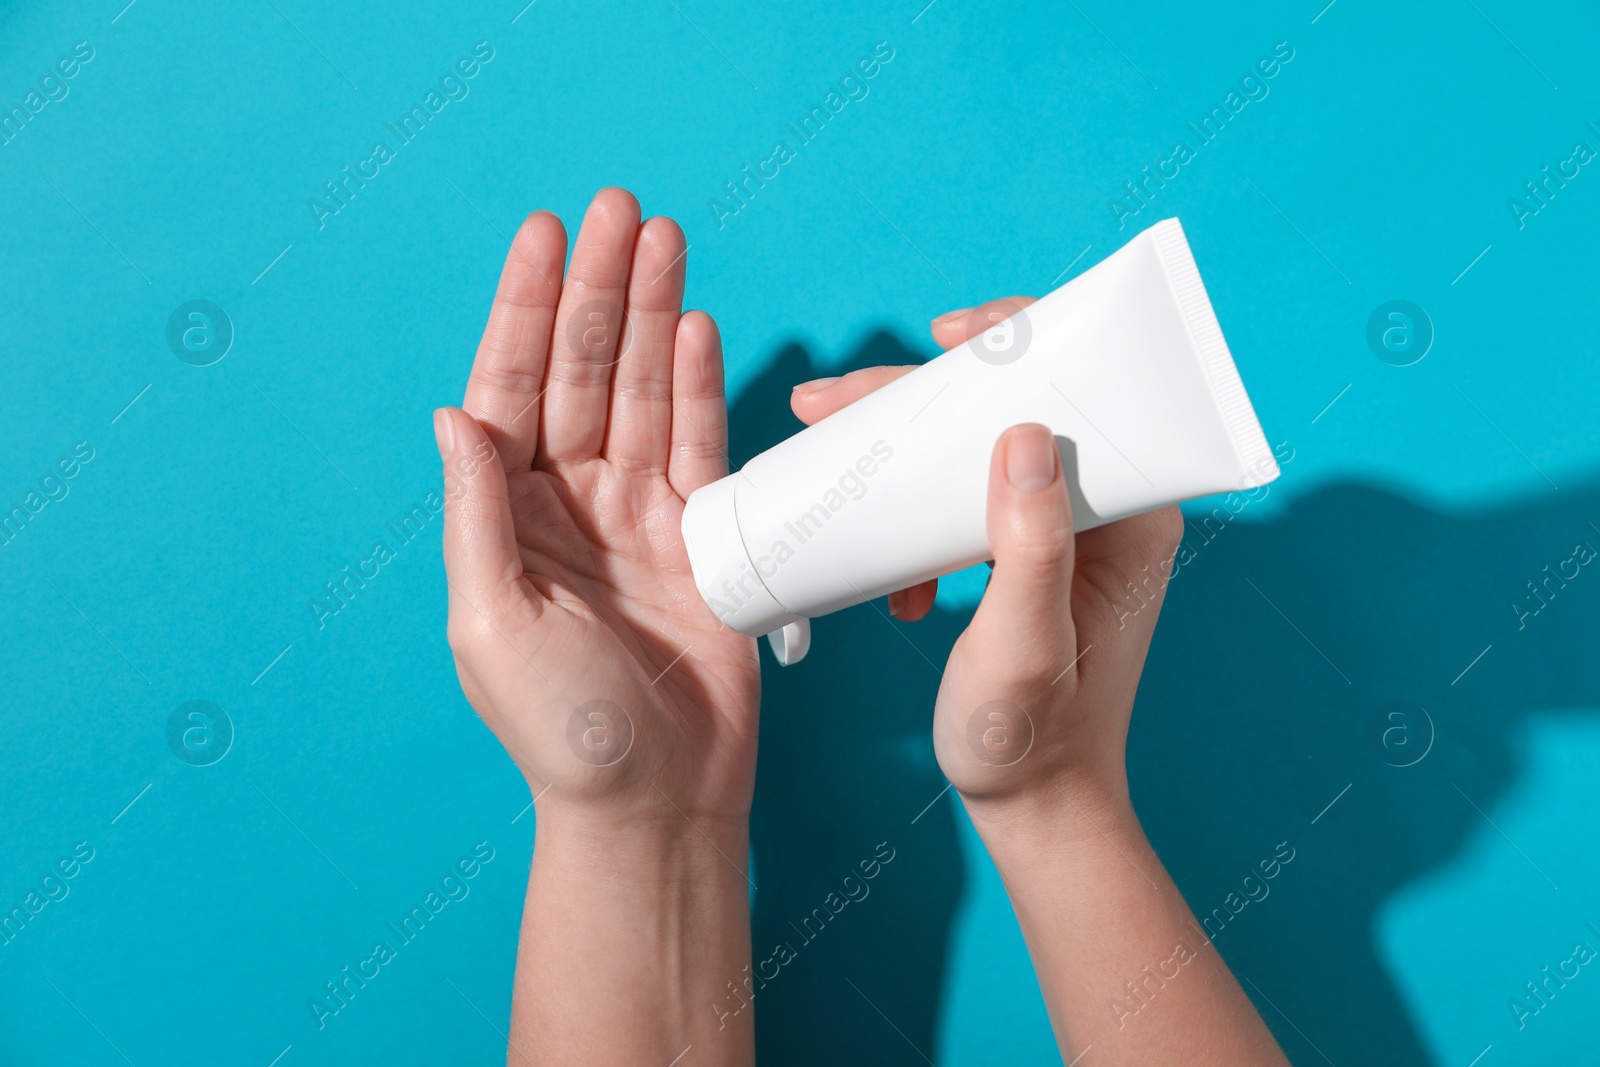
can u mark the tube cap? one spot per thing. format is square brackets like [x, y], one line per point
[724, 573]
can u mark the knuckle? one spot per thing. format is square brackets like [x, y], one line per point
[1039, 673]
[646, 390]
[1041, 555]
[580, 372]
[503, 372]
[515, 322]
[704, 396]
[1045, 547]
[698, 448]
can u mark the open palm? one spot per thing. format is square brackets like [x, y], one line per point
[594, 409]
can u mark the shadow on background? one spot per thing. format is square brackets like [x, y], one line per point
[1261, 702]
[846, 763]
[1282, 649]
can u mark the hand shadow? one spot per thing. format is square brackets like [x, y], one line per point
[846, 764]
[1282, 649]
[1275, 680]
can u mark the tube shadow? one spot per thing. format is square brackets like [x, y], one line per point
[1325, 647]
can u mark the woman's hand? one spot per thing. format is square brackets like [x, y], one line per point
[1038, 691]
[594, 409]
[1031, 727]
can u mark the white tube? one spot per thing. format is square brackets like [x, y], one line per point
[1127, 366]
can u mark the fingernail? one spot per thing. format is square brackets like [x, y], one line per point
[1031, 458]
[949, 315]
[444, 433]
[897, 602]
[816, 385]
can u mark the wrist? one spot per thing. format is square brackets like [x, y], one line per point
[1063, 809]
[650, 911]
[630, 795]
[667, 849]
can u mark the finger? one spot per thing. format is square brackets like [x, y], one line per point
[1027, 609]
[508, 373]
[640, 429]
[911, 605]
[816, 400]
[699, 408]
[956, 327]
[481, 559]
[588, 324]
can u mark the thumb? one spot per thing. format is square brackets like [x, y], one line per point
[480, 550]
[1028, 606]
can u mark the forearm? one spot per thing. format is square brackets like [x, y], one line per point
[630, 938]
[1122, 963]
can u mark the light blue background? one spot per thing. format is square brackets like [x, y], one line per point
[982, 163]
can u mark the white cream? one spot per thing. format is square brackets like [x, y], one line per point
[1125, 363]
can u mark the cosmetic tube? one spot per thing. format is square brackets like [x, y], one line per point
[1125, 364]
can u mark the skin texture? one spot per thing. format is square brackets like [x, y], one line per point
[1031, 726]
[593, 410]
